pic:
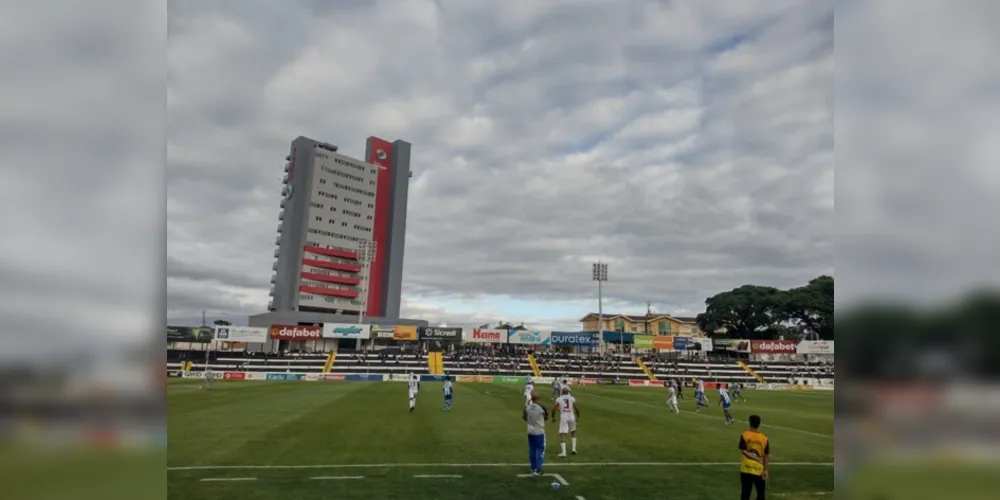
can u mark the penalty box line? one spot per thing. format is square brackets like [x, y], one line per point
[547, 465]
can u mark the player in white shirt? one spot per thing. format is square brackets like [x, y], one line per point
[528, 389]
[414, 388]
[209, 376]
[672, 396]
[569, 413]
[556, 387]
[700, 400]
[725, 402]
[564, 385]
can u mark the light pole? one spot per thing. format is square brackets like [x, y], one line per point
[600, 275]
[366, 254]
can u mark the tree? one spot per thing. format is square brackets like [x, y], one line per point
[221, 322]
[746, 312]
[810, 307]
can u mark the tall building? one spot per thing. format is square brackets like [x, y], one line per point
[331, 205]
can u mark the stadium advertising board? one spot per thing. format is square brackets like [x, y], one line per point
[572, 338]
[382, 332]
[731, 345]
[256, 376]
[346, 331]
[773, 346]
[241, 333]
[700, 344]
[364, 377]
[333, 376]
[285, 376]
[510, 380]
[399, 377]
[194, 374]
[663, 342]
[479, 379]
[486, 336]
[645, 383]
[296, 332]
[405, 333]
[642, 342]
[586, 381]
[682, 343]
[449, 334]
[174, 373]
[234, 376]
[202, 334]
[432, 378]
[815, 347]
[528, 337]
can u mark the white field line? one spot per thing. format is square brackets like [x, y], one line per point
[664, 407]
[558, 477]
[209, 479]
[429, 476]
[324, 478]
[578, 497]
[570, 464]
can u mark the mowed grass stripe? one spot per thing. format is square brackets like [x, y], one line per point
[219, 424]
[810, 421]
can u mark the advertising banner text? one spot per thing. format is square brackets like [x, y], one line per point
[815, 347]
[773, 346]
[447, 334]
[486, 335]
[404, 332]
[572, 338]
[346, 331]
[663, 342]
[528, 337]
[241, 333]
[295, 332]
[201, 334]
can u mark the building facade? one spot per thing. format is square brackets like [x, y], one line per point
[648, 324]
[331, 205]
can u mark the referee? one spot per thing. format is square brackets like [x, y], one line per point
[535, 415]
[755, 449]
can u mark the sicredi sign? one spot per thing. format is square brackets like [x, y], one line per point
[346, 331]
[486, 335]
[295, 332]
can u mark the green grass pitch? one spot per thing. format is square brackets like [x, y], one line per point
[356, 440]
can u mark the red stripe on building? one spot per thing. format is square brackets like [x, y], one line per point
[351, 294]
[326, 278]
[332, 265]
[381, 155]
[343, 254]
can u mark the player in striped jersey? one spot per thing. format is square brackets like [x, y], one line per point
[725, 402]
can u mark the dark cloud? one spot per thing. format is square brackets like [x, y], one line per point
[687, 143]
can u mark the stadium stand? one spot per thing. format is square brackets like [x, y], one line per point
[509, 360]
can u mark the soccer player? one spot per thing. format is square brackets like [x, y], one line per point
[725, 402]
[529, 388]
[209, 376]
[447, 393]
[565, 384]
[680, 389]
[700, 400]
[535, 415]
[755, 449]
[414, 385]
[569, 413]
[738, 392]
[555, 388]
[672, 398]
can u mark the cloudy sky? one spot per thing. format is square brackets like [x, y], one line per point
[689, 144]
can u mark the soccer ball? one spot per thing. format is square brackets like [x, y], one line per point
[555, 485]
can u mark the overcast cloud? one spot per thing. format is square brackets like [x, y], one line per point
[686, 143]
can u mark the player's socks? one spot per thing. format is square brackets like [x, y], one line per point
[563, 444]
[574, 445]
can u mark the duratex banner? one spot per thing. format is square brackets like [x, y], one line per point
[572, 338]
[448, 334]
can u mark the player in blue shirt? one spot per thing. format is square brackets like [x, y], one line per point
[738, 392]
[556, 386]
[447, 393]
[725, 402]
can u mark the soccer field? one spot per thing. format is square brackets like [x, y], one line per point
[334, 440]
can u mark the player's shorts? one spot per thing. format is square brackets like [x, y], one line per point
[567, 426]
[672, 400]
[725, 406]
[413, 394]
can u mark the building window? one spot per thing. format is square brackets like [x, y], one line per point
[320, 219]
